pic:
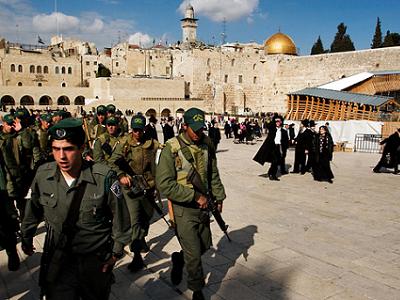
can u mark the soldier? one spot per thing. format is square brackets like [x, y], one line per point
[106, 143]
[110, 110]
[43, 136]
[85, 215]
[29, 154]
[191, 149]
[134, 162]
[97, 126]
[9, 187]
[122, 122]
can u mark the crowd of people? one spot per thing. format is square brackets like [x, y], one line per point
[95, 181]
[313, 149]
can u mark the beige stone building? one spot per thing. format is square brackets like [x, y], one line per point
[233, 78]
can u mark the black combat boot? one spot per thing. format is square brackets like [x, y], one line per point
[177, 267]
[137, 263]
[198, 295]
[13, 260]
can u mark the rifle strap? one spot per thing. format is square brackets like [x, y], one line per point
[185, 151]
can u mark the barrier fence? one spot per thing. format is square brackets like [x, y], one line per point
[368, 143]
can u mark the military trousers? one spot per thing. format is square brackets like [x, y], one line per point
[194, 235]
[81, 277]
[140, 212]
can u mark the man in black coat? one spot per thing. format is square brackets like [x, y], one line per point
[303, 137]
[168, 129]
[391, 149]
[310, 135]
[274, 148]
[150, 131]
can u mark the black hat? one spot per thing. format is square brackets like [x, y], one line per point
[305, 122]
[153, 119]
[312, 123]
[70, 129]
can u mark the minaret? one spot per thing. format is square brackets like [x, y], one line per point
[189, 26]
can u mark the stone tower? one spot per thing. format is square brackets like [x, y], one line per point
[189, 26]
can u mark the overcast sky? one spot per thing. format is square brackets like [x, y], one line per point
[105, 22]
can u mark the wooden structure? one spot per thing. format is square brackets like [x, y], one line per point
[370, 96]
[323, 104]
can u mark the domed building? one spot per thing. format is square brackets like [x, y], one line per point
[280, 43]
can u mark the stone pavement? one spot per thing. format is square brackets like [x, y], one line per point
[295, 239]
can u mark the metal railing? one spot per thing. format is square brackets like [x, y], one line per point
[368, 143]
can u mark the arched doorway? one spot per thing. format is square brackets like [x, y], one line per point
[45, 100]
[26, 100]
[151, 112]
[165, 113]
[63, 100]
[7, 100]
[80, 100]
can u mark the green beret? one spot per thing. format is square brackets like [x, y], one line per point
[138, 122]
[9, 119]
[46, 117]
[118, 113]
[101, 110]
[111, 121]
[69, 128]
[22, 113]
[62, 113]
[111, 108]
[194, 118]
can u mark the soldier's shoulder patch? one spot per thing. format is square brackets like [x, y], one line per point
[116, 189]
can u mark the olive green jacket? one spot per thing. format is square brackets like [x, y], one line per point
[103, 213]
[173, 168]
[99, 155]
[140, 158]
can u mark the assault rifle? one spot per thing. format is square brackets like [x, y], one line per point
[194, 178]
[140, 186]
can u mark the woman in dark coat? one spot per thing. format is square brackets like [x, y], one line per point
[323, 149]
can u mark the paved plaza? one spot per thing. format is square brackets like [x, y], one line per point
[295, 239]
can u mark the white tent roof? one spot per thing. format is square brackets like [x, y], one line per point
[341, 84]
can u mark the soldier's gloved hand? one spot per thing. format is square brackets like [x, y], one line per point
[28, 249]
[109, 264]
[219, 206]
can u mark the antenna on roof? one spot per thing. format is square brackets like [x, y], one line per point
[223, 34]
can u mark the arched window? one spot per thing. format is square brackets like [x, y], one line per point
[32, 69]
[20, 83]
[45, 100]
[232, 62]
[20, 69]
[80, 100]
[26, 100]
[39, 84]
[254, 66]
[63, 84]
[57, 70]
[63, 70]
[12, 68]
[39, 69]
[63, 100]
[46, 70]
[69, 70]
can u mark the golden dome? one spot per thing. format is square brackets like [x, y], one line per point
[280, 43]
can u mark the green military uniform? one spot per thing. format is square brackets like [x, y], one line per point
[123, 123]
[95, 128]
[140, 157]
[9, 224]
[102, 227]
[43, 137]
[106, 143]
[192, 223]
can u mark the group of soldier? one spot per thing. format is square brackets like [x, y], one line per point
[95, 184]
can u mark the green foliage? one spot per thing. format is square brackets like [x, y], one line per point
[377, 39]
[391, 39]
[317, 48]
[342, 41]
[102, 71]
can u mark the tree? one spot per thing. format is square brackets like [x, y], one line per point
[342, 41]
[391, 39]
[377, 39]
[102, 71]
[317, 48]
